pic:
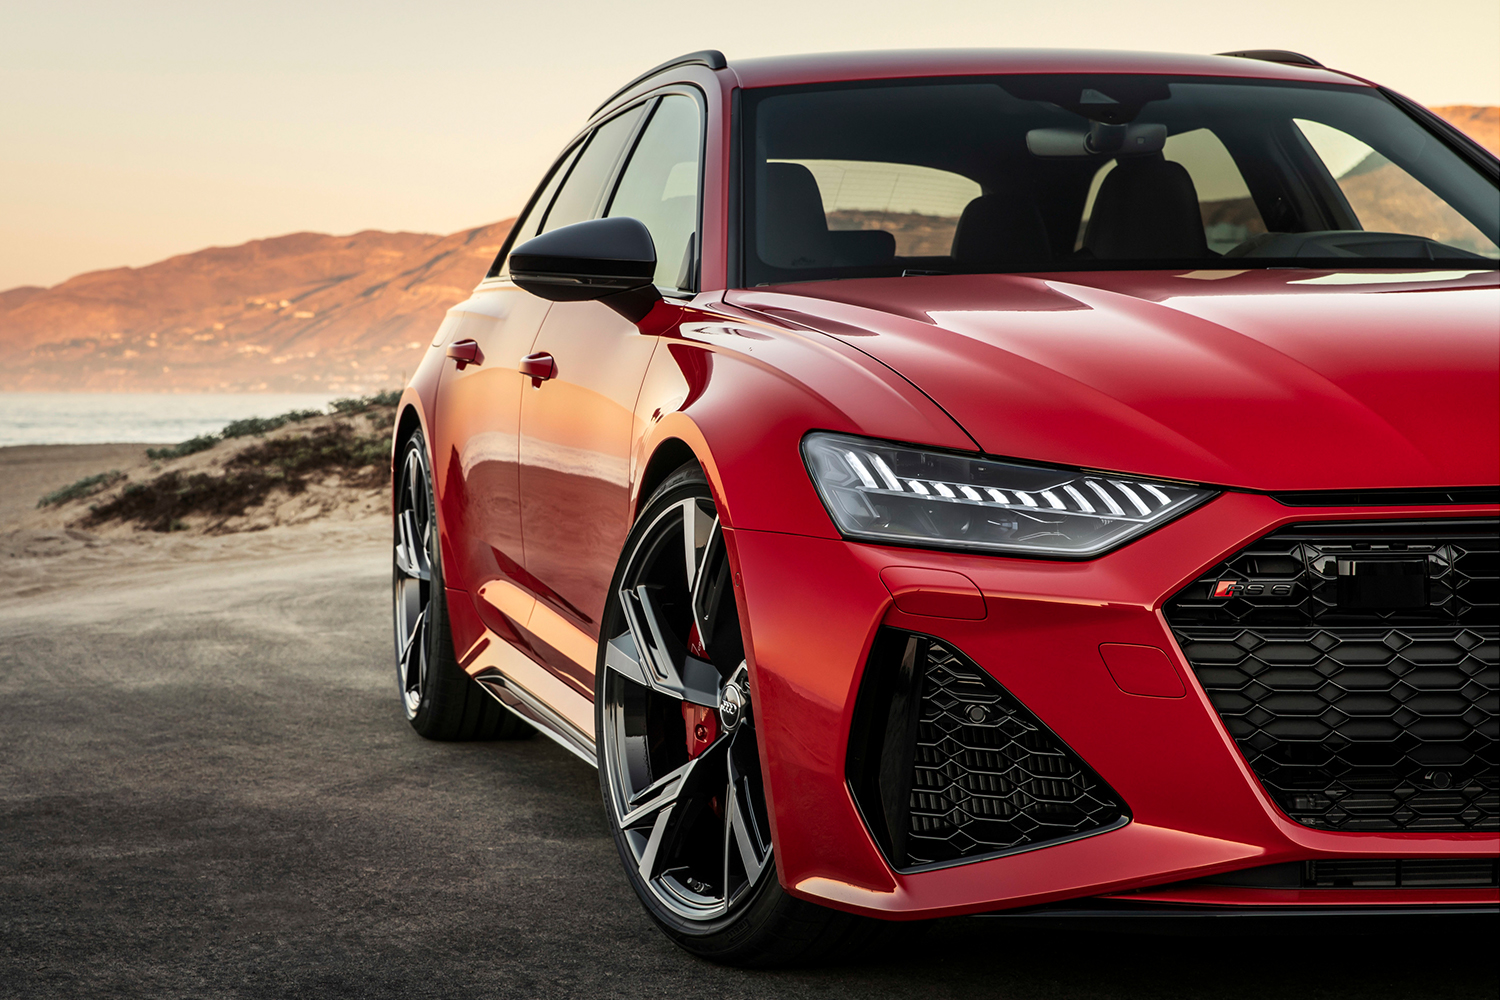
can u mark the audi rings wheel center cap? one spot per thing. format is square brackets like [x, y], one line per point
[731, 706]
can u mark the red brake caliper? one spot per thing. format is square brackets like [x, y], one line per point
[701, 724]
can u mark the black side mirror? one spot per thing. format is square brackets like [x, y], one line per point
[608, 260]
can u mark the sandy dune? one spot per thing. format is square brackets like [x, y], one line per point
[46, 550]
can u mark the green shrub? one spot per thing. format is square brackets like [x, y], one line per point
[249, 477]
[260, 425]
[354, 404]
[85, 487]
[159, 504]
[191, 446]
[328, 449]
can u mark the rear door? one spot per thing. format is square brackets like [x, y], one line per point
[577, 428]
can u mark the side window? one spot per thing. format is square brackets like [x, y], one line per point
[527, 226]
[578, 201]
[1385, 198]
[660, 187]
[1229, 213]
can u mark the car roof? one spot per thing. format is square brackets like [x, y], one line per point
[829, 67]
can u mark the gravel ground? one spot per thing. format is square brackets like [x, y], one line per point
[207, 790]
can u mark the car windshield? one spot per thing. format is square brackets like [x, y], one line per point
[1072, 172]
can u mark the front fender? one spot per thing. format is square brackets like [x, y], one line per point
[741, 394]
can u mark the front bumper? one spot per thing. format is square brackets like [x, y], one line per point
[812, 608]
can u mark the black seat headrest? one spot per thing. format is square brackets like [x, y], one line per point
[1001, 230]
[1147, 208]
[793, 230]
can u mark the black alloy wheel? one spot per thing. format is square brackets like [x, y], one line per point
[679, 767]
[441, 701]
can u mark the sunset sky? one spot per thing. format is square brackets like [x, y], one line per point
[133, 131]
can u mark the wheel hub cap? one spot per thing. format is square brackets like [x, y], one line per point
[731, 706]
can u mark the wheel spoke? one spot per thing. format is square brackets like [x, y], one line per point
[663, 804]
[697, 529]
[742, 828]
[411, 652]
[709, 585]
[690, 780]
[653, 844]
[623, 657]
[411, 550]
[414, 482]
[659, 657]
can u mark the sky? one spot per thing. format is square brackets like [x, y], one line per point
[132, 131]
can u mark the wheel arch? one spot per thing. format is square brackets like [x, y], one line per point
[670, 454]
[408, 421]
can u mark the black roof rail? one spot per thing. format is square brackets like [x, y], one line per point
[712, 58]
[1276, 56]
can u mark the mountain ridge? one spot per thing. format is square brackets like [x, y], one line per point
[298, 312]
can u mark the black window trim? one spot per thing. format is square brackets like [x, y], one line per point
[694, 93]
[578, 143]
[611, 185]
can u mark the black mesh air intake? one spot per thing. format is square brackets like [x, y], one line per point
[1356, 667]
[947, 766]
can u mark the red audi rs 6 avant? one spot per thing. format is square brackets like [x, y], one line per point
[934, 483]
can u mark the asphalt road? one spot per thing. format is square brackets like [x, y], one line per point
[207, 790]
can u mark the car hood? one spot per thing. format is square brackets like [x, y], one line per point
[1263, 379]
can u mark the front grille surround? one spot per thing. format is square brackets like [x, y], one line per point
[1358, 718]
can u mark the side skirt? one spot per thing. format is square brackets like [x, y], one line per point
[523, 703]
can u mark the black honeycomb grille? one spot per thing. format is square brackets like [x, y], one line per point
[1356, 716]
[948, 766]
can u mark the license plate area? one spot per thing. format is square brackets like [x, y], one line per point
[1382, 584]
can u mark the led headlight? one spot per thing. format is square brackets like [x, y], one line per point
[909, 496]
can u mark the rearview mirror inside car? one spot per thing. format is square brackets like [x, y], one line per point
[608, 260]
[1122, 140]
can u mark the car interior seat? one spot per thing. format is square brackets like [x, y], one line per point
[1147, 208]
[1001, 230]
[794, 230]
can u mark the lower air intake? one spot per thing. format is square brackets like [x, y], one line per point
[947, 766]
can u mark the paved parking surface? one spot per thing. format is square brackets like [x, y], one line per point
[207, 790]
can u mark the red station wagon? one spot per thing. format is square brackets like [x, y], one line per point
[1028, 482]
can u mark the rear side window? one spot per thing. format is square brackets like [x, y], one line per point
[581, 193]
[1224, 202]
[660, 188]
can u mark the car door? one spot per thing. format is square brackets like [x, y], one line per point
[475, 452]
[577, 427]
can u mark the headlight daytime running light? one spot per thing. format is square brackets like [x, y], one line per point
[902, 495]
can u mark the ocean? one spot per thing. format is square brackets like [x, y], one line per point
[109, 417]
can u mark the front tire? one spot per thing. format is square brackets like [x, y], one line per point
[679, 767]
[441, 701]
